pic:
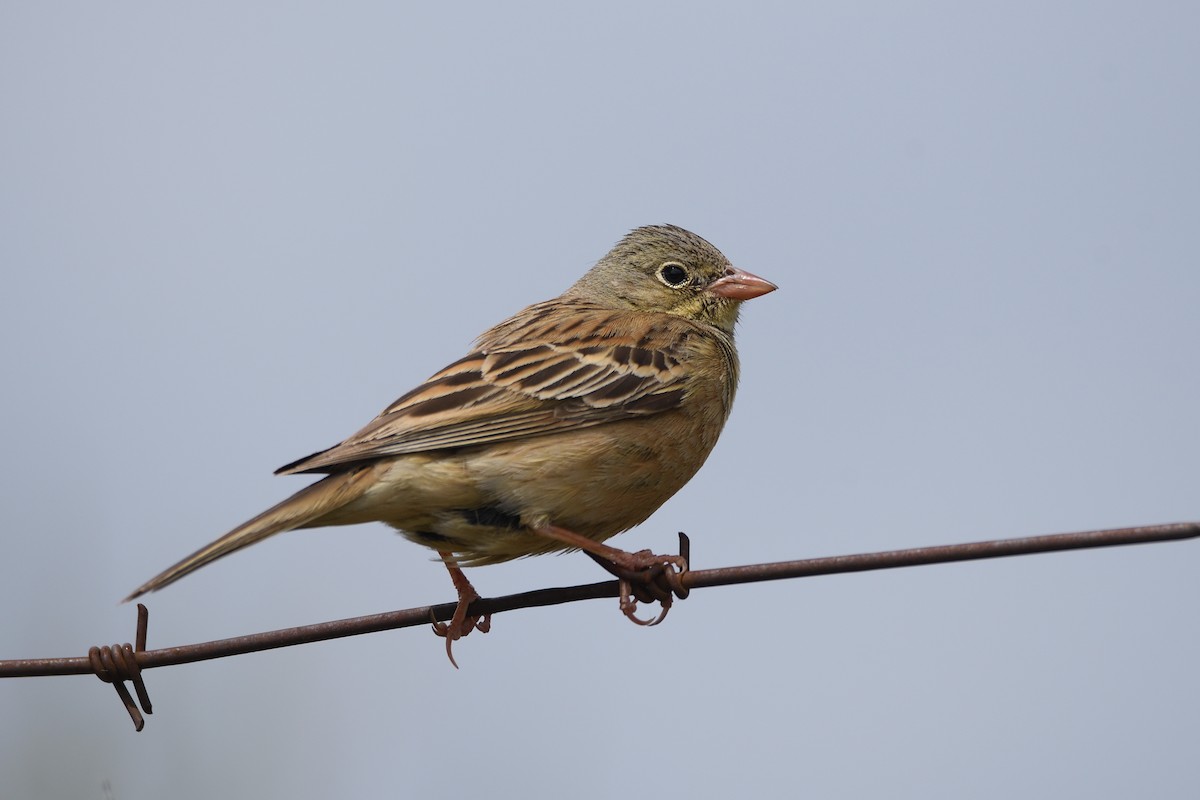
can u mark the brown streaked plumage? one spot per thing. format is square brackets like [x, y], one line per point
[584, 413]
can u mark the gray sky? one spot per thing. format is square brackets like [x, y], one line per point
[231, 234]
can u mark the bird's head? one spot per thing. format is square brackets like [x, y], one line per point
[664, 268]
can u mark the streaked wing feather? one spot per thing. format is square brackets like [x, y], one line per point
[550, 381]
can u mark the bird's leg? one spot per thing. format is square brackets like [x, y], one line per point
[460, 624]
[638, 572]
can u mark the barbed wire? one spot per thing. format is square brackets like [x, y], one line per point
[118, 664]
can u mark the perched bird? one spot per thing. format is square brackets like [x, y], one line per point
[568, 423]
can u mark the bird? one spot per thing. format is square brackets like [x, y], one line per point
[566, 424]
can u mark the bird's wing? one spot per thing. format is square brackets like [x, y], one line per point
[547, 370]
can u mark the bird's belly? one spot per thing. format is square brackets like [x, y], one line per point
[482, 503]
[597, 482]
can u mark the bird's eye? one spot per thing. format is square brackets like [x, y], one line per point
[673, 274]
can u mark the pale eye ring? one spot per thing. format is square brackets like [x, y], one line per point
[673, 274]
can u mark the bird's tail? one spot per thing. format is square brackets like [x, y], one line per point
[305, 508]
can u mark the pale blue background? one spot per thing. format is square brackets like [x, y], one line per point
[230, 233]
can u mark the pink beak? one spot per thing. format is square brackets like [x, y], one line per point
[737, 284]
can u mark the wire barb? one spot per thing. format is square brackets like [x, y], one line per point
[118, 663]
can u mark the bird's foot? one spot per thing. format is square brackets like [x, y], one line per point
[643, 576]
[646, 577]
[460, 624]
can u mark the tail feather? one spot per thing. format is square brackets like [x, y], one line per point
[302, 509]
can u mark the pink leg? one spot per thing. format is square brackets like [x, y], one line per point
[460, 624]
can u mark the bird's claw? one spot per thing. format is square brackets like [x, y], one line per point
[629, 606]
[646, 577]
[460, 625]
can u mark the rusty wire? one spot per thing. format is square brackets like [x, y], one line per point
[117, 664]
